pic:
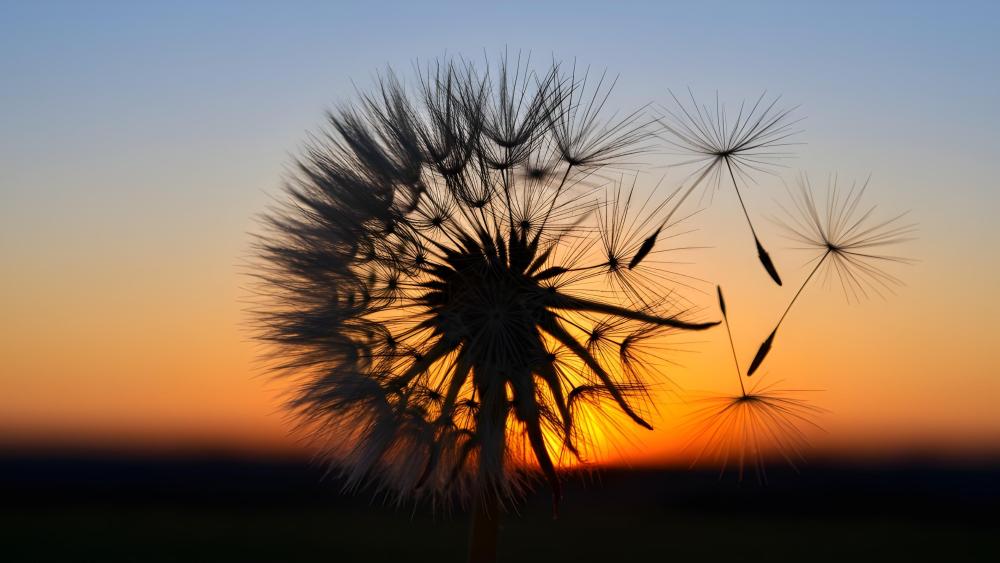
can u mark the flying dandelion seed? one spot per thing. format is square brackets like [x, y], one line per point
[432, 281]
[720, 145]
[745, 428]
[848, 240]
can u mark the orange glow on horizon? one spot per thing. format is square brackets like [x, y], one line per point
[124, 325]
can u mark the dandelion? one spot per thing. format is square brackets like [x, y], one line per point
[745, 428]
[437, 281]
[720, 146]
[848, 241]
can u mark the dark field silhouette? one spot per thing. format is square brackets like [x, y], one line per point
[80, 509]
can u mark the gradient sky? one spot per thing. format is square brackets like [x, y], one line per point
[138, 141]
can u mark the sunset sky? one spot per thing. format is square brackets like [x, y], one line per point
[139, 142]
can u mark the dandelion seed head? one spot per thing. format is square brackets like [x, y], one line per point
[435, 283]
[744, 431]
[851, 236]
[756, 136]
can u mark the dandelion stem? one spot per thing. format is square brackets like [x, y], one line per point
[803, 286]
[506, 190]
[569, 166]
[765, 347]
[685, 196]
[485, 530]
[762, 254]
[740, 197]
[732, 347]
[560, 301]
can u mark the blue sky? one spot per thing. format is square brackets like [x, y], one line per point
[88, 80]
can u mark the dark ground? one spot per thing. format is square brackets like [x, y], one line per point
[148, 510]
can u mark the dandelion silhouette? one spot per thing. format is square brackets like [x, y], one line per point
[744, 428]
[848, 240]
[752, 142]
[462, 279]
[445, 280]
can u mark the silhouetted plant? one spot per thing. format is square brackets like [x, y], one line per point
[745, 428]
[754, 140]
[847, 240]
[449, 271]
[461, 273]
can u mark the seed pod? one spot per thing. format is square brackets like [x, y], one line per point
[550, 273]
[761, 353]
[765, 259]
[647, 245]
